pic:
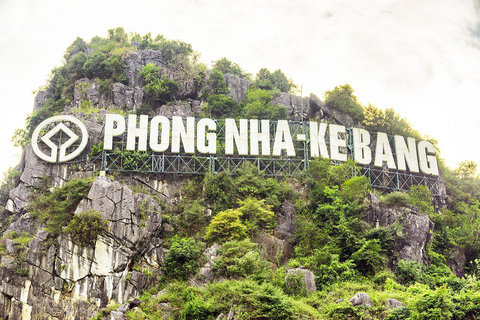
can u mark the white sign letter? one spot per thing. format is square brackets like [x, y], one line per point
[240, 138]
[383, 152]
[179, 133]
[406, 154]
[427, 158]
[154, 128]
[361, 151]
[263, 136]
[336, 143]
[141, 132]
[110, 121]
[318, 147]
[211, 136]
[283, 139]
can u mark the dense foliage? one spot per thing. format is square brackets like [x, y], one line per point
[236, 210]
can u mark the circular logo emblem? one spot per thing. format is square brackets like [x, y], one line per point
[59, 135]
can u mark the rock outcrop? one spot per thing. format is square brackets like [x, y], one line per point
[238, 87]
[59, 278]
[416, 228]
[361, 299]
[307, 276]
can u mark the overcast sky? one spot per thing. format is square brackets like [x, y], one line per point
[421, 58]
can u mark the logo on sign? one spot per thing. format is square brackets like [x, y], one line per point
[55, 136]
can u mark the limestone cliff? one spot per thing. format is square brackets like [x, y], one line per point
[54, 277]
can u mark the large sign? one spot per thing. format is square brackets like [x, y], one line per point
[253, 137]
[243, 137]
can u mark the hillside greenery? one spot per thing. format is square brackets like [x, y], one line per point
[235, 209]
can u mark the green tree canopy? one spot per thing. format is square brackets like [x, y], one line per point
[387, 121]
[342, 99]
[274, 81]
[226, 66]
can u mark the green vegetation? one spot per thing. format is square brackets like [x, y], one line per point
[56, 209]
[387, 121]
[343, 100]
[226, 66]
[276, 80]
[182, 258]
[258, 105]
[158, 88]
[234, 210]
[85, 227]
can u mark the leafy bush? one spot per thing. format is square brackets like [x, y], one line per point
[342, 99]
[408, 272]
[158, 87]
[182, 258]
[266, 301]
[99, 65]
[220, 106]
[328, 268]
[435, 305]
[226, 226]
[197, 309]
[395, 198]
[57, 208]
[193, 219]
[387, 121]
[421, 198]
[219, 191]
[401, 313]
[294, 284]
[258, 106]
[215, 85]
[256, 214]
[276, 80]
[226, 66]
[369, 258]
[343, 311]
[239, 259]
[249, 182]
[85, 227]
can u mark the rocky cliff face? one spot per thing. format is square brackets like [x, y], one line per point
[59, 279]
[56, 278]
[416, 228]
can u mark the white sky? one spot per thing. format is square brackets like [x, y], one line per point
[420, 57]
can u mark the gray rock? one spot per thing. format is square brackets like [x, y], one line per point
[33, 175]
[393, 303]
[273, 248]
[238, 87]
[321, 110]
[205, 274]
[117, 315]
[286, 221]
[179, 109]
[308, 278]
[24, 224]
[12, 247]
[132, 217]
[40, 98]
[456, 261]
[126, 97]
[316, 107]
[339, 300]
[298, 108]
[133, 65]
[361, 299]
[416, 228]
[86, 89]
